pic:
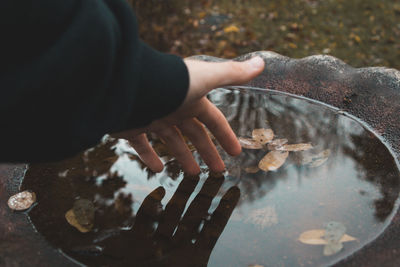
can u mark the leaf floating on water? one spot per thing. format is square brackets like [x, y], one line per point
[332, 248]
[71, 219]
[84, 211]
[315, 237]
[334, 231]
[295, 147]
[320, 158]
[317, 162]
[249, 143]
[332, 237]
[81, 216]
[273, 160]
[22, 200]
[251, 169]
[262, 135]
[276, 143]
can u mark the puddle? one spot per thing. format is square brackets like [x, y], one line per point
[240, 219]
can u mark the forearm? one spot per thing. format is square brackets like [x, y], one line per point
[75, 70]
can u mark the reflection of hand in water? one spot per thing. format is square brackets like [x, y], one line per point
[176, 240]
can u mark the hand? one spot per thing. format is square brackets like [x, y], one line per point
[194, 114]
[176, 241]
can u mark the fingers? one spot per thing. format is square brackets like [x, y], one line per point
[216, 122]
[197, 210]
[175, 207]
[148, 212]
[176, 145]
[198, 136]
[213, 228]
[205, 76]
[146, 152]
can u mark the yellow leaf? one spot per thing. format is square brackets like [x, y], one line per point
[262, 136]
[251, 169]
[71, 219]
[249, 143]
[295, 147]
[273, 160]
[202, 14]
[231, 28]
[315, 237]
[276, 144]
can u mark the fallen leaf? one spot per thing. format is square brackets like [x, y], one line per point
[251, 169]
[84, 211]
[334, 231]
[316, 237]
[231, 28]
[332, 248]
[276, 143]
[273, 160]
[320, 158]
[22, 200]
[317, 162]
[71, 219]
[262, 136]
[249, 143]
[295, 147]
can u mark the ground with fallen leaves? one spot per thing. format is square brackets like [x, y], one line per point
[360, 32]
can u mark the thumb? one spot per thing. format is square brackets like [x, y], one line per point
[205, 76]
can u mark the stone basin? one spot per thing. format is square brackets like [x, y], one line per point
[370, 94]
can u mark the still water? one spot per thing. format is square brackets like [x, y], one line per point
[240, 218]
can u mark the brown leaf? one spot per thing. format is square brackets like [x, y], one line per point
[251, 169]
[316, 237]
[320, 158]
[276, 143]
[273, 160]
[249, 143]
[295, 147]
[262, 136]
[71, 219]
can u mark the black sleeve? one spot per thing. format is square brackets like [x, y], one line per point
[73, 70]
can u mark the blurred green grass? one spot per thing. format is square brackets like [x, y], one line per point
[359, 32]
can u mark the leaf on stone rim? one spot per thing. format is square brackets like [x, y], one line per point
[262, 135]
[273, 160]
[22, 200]
[249, 143]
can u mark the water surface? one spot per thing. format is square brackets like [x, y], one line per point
[234, 219]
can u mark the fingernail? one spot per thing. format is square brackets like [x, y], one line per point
[256, 63]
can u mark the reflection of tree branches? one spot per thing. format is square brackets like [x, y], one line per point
[85, 176]
[289, 118]
[300, 122]
[373, 157]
